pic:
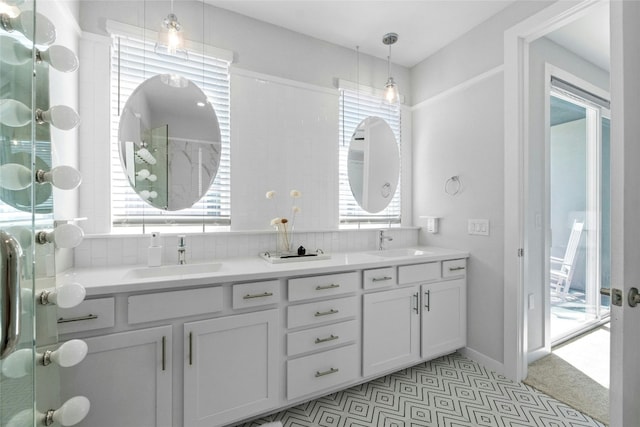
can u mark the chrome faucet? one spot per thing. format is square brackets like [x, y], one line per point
[381, 239]
[182, 250]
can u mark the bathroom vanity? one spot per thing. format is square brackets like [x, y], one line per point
[214, 344]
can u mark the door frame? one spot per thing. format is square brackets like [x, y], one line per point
[516, 188]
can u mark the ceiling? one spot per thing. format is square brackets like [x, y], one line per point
[423, 26]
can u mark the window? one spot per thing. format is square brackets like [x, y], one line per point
[355, 106]
[133, 61]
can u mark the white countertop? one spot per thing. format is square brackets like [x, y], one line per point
[112, 280]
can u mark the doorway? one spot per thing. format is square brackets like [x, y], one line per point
[579, 209]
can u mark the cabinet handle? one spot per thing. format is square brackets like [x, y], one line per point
[329, 372]
[251, 296]
[417, 307]
[329, 338]
[78, 319]
[10, 252]
[381, 279]
[190, 348]
[325, 313]
[455, 268]
[324, 287]
[164, 352]
[428, 303]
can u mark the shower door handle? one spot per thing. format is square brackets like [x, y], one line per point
[10, 254]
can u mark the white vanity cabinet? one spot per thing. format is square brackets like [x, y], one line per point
[423, 318]
[218, 351]
[127, 377]
[323, 326]
[231, 368]
[391, 330]
[444, 317]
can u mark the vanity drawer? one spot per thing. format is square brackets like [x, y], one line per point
[418, 272]
[320, 371]
[322, 286]
[256, 294]
[321, 337]
[323, 311]
[454, 268]
[88, 315]
[379, 278]
[169, 305]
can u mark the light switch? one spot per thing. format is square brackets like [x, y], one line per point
[479, 227]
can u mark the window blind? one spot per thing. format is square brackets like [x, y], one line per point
[355, 106]
[133, 61]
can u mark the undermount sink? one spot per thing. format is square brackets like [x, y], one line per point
[172, 270]
[402, 252]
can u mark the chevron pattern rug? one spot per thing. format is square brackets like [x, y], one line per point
[449, 391]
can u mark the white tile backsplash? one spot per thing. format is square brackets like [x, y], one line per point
[122, 250]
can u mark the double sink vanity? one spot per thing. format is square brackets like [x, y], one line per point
[213, 344]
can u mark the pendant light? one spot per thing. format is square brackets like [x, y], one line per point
[391, 94]
[171, 36]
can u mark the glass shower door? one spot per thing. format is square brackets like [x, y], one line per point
[17, 137]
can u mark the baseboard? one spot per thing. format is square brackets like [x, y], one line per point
[487, 362]
[534, 355]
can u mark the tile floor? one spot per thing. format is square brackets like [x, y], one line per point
[448, 391]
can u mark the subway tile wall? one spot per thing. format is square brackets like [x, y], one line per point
[122, 250]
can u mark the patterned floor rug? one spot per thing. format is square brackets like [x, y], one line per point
[448, 391]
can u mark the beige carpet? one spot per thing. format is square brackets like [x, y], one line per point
[561, 380]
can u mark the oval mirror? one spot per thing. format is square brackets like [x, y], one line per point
[169, 139]
[373, 164]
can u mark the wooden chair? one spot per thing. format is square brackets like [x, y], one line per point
[562, 269]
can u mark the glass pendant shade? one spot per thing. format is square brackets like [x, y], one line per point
[171, 37]
[45, 31]
[391, 94]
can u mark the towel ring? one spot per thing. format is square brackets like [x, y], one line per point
[453, 185]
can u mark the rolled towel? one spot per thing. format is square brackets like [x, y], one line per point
[273, 424]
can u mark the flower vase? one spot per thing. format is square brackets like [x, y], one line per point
[283, 244]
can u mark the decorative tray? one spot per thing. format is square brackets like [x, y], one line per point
[277, 259]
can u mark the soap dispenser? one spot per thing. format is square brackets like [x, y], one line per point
[154, 256]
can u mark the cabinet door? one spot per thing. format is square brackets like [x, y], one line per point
[444, 317]
[127, 378]
[232, 368]
[391, 326]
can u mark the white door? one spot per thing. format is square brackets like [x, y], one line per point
[391, 337]
[625, 209]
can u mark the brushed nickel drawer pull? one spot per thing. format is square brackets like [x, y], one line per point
[381, 279]
[455, 268]
[251, 296]
[329, 372]
[78, 319]
[164, 352]
[329, 338]
[325, 313]
[331, 286]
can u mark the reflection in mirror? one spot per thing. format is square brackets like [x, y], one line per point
[169, 140]
[373, 164]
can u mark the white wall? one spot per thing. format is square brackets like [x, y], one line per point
[458, 129]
